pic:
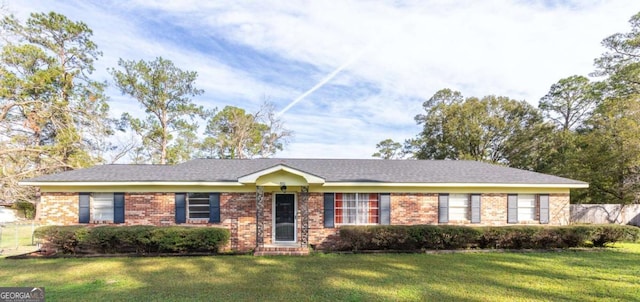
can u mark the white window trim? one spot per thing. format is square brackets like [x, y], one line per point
[357, 209]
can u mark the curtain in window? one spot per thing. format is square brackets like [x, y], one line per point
[373, 208]
[349, 202]
[102, 206]
[356, 208]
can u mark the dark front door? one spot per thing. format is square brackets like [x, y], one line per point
[285, 217]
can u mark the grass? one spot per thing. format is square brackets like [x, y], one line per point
[609, 275]
[22, 231]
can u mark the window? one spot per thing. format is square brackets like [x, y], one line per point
[356, 208]
[458, 206]
[526, 207]
[198, 205]
[102, 207]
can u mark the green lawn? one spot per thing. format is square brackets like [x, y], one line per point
[15, 238]
[612, 275]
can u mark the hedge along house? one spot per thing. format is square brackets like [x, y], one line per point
[286, 205]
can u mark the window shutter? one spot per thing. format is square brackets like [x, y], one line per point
[544, 208]
[83, 208]
[512, 208]
[181, 213]
[385, 208]
[328, 210]
[475, 208]
[118, 207]
[443, 208]
[214, 207]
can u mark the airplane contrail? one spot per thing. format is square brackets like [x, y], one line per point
[325, 80]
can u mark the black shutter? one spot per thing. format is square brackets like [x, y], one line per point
[328, 210]
[443, 208]
[181, 213]
[512, 208]
[118, 207]
[385, 208]
[475, 208]
[544, 208]
[83, 208]
[214, 207]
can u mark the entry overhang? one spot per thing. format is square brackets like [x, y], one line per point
[277, 171]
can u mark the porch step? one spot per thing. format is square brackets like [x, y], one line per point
[281, 251]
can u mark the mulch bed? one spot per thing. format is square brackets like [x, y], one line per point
[53, 255]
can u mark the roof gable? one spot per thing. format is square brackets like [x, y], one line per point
[281, 173]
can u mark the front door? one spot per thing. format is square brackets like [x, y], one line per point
[285, 209]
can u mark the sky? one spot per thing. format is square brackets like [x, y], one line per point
[345, 75]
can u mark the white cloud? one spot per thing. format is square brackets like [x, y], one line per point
[411, 50]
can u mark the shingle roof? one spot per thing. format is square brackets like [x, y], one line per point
[332, 170]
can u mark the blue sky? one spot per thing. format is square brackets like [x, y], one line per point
[390, 55]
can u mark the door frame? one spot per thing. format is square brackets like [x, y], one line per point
[295, 220]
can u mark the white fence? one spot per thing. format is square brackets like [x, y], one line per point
[606, 213]
[17, 237]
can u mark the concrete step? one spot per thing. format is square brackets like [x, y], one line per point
[281, 251]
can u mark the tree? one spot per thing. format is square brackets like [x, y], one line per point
[233, 133]
[164, 92]
[492, 129]
[622, 62]
[389, 149]
[570, 101]
[568, 104]
[610, 152]
[52, 114]
[610, 143]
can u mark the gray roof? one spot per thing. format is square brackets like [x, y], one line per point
[332, 170]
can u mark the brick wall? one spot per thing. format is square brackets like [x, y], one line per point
[415, 208]
[493, 209]
[237, 213]
[319, 236]
[59, 208]
[149, 208]
[559, 209]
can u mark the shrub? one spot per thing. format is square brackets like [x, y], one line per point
[133, 239]
[573, 236]
[435, 237]
[611, 233]
[432, 237]
[414, 237]
[631, 233]
[64, 239]
[513, 237]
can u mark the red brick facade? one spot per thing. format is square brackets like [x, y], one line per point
[238, 213]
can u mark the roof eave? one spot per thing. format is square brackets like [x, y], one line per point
[127, 183]
[459, 185]
[326, 184]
